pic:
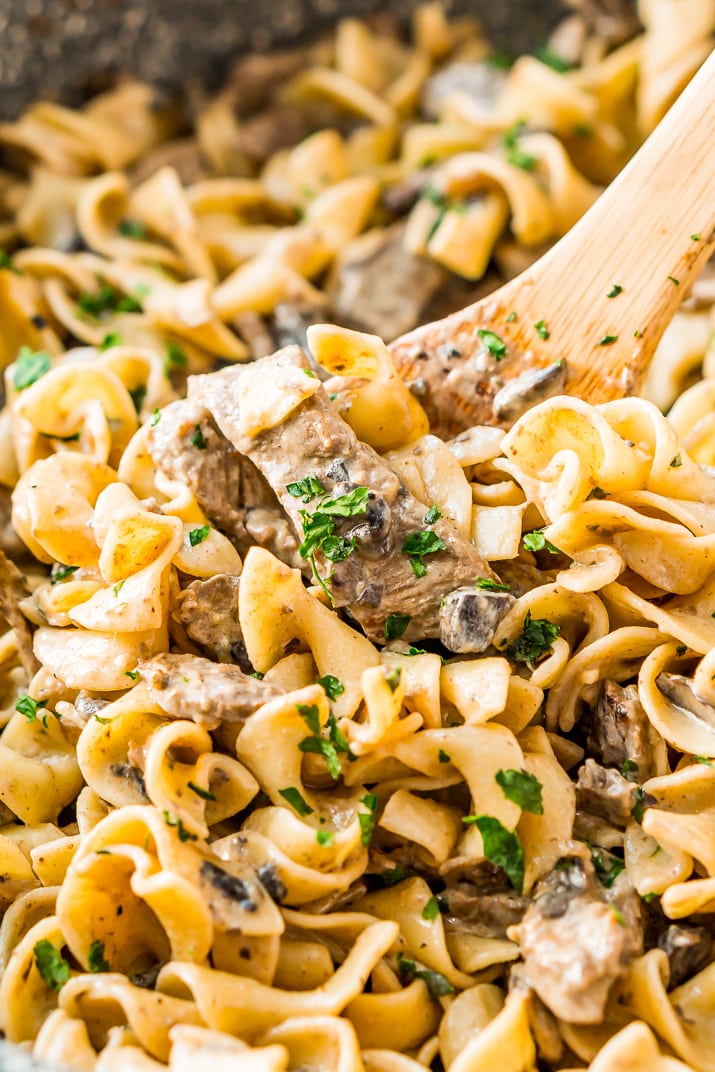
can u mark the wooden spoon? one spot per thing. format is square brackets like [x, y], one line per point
[587, 316]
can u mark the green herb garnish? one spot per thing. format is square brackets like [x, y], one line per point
[516, 156]
[175, 357]
[596, 493]
[203, 793]
[495, 345]
[51, 965]
[437, 984]
[523, 788]
[443, 756]
[536, 541]
[638, 807]
[184, 834]
[629, 770]
[535, 642]
[332, 686]
[419, 544]
[541, 329]
[197, 536]
[432, 515]
[62, 573]
[491, 586]
[395, 625]
[296, 801]
[96, 960]
[615, 290]
[502, 847]
[676, 462]
[608, 340]
[30, 365]
[132, 228]
[324, 837]
[198, 439]
[367, 819]
[431, 909]
[113, 338]
[606, 866]
[306, 489]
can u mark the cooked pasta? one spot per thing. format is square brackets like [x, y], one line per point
[327, 743]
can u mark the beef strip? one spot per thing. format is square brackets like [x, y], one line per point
[228, 488]
[468, 618]
[377, 579]
[291, 319]
[688, 948]
[620, 730]
[487, 914]
[208, 613]
[379, 286]
[13, 588]
[187, 686]
[577, 939]
[605, 792]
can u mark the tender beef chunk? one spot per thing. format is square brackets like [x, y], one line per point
[688, 948]
[208, 613]
[680, 691]
[620, 730]
[376, 579]
[468, 618]
[13, 588]
[520, 576]
[187, 686]
[379, 286]
[605, 792]
[575, 943]
[186, 445]
[485, 914]
[482, 82]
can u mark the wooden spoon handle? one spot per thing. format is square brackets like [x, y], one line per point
[595, 306]
[652, 247]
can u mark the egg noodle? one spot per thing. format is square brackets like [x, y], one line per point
[328, 744]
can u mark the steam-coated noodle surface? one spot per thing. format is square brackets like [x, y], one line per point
[328, 744]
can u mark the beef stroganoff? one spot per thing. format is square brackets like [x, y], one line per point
[330, 742]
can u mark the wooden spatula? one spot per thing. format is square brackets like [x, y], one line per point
[586, 317]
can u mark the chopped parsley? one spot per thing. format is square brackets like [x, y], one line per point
[523, 788]
[511, 317]
[615, 290]
[296, 801]
[61, 573]
[606, 866]
[332, 686]
[501, 847]
[131, 228]
[309, 372]
[681, 649]
[437, 984]
[433, 514]
[629, 770]
[29, 708]
[495, 345]
[203, 793]
[6, 261]
[133, 674]
[320, 747]
[319, 529]
[51, 965]
[704, 759]
[30, 365]
[155, 417]
[175, 356]
[516, 156]
[337, 737]
[419, 544]
[310, 715]
[113, 338]
[596, 493]
[608, 340]
[491, 586]
[674, 281]
[416, 651]
[676, 462]
[392, 875]
[639, 805]
[431, 909]
[367, 818]
[197, 536]
[116, 589]
[106, 300]
[324, 837]
[443, 756]
[393, 678]
[648, 897]
[184, 834]
[536, 541]
[553, 59]
[695, 238]
[541, 329]
[198, 439]
[535, 641]
[306, 489]
[395, 625]
[96, 960]
[618, 915]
